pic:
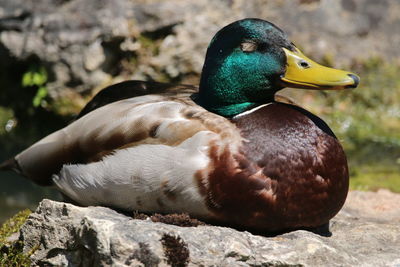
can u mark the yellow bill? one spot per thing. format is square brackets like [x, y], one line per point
[302, 72]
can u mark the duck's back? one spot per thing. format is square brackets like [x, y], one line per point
[129, 114]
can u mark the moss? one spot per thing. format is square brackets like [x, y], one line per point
[183, 219]
[176, 250]
[179, 219]
[13, 224]
[238, 256]
[11, 251]
[144, 255]
[149, 44]
[69, 104]
[150, 48]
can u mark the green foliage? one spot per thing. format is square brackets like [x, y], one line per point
[149, 44]
[373, 107]
[375, 176]
[11, 252]
[13, 225]
[5, 115]
[149, 48]
[36, 76]
[368, 118]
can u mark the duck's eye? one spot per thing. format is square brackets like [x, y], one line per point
[304, 64]
[248, 47]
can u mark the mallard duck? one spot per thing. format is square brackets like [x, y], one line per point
[225, 151]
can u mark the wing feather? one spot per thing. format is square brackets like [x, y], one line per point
[148, 119]
[130, 89]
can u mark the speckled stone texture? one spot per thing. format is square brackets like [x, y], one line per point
[365, 233]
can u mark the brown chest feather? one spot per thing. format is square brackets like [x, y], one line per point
[292, 171]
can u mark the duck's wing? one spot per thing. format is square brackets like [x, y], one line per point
[168, 119]
[129, 89]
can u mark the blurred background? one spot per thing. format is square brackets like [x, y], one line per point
[55, 54]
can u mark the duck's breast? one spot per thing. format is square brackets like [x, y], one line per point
[291, 172]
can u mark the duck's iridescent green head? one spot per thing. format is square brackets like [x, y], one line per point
[248, 61]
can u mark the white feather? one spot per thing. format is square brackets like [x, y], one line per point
[137, 175]
[251, 110]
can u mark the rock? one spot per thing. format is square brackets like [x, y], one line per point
[67, 235]
[382, 206]
[85, 42]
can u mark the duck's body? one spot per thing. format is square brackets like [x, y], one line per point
[158, 148]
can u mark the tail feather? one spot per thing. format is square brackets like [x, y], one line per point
[10, 165]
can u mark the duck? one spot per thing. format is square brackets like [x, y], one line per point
[226, 151]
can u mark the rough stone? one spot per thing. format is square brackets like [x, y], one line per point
[85, 42]
[67, 235]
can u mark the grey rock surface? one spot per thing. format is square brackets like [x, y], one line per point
[86, 42]
[67, 235]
